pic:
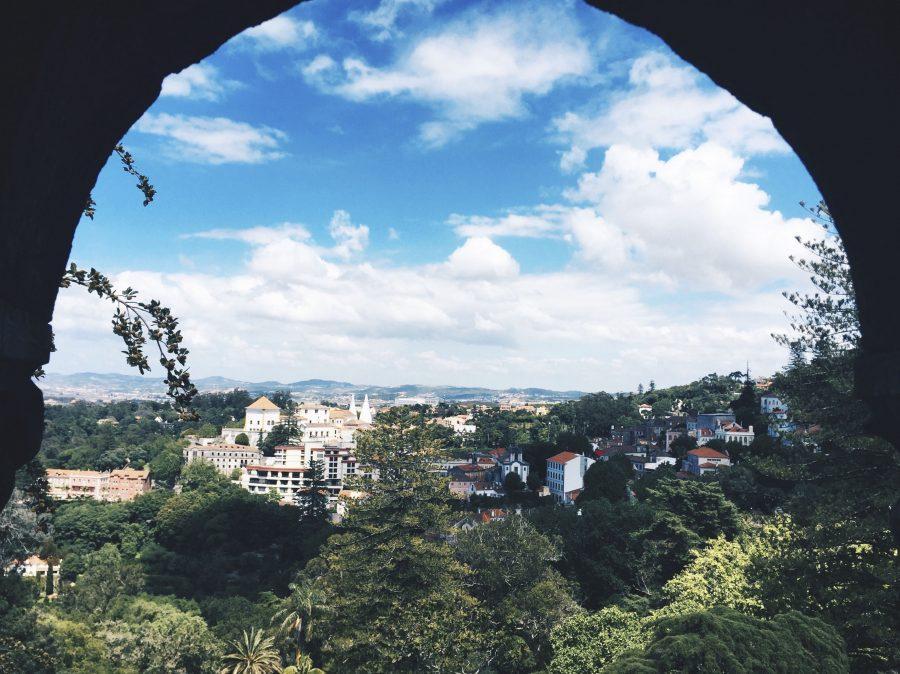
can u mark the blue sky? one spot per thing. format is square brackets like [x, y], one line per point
[485, 193]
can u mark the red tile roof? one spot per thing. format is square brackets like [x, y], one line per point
[707, 453]
[563, 457]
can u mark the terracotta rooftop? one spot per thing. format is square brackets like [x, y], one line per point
[563, 457]
[707, 453]
[263, 403]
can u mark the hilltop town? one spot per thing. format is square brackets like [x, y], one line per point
[272, 449]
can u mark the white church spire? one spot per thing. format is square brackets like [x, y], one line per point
[353, 405]
[365, 415]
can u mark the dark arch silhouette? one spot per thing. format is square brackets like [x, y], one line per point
[77, 76]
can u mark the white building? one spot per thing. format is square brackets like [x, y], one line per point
[643, 463]
[565, 475]
[776, 413]
[768, 404]
[262, 479]
[314, 413]
[513, 462]
[324, 433]
[734, 432]
[704, 460]
[225, 457]
[35, 567]
[461, 424]
[261, 416]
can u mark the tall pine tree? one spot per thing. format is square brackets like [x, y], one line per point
[313, 498]
[398, 599]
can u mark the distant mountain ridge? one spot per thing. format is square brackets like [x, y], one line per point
[101, 386]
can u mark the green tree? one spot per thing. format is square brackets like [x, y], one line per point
[665, 549]
[841, 564]
[586, 642]
[166, 467]
[208, 430]
[746, 408]
[156, 637]
[607, 479]
[297, 616]
[397, 597]
[313, 498]
[21, 648]
[723, 641]
[599, 545]
[107, 576]
[78, 646]
[523, 595]
[242, 439]
[203, 476]
[280, 434]
[254, 654]
[700, 505]
[680, 446]
[717, 575]
[304, 665]
[512, 483]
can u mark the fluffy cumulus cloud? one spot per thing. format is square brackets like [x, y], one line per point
[201, 81]
[689, 222]
[381, 22]
[481, 258]
[666, 105]
[213, 140]
[690, 218]
[282, 32]
[478, 68]
[294, 308]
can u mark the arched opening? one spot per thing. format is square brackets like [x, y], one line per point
[879, 348]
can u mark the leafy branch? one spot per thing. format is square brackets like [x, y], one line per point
[137, 322]
[143, 183]
[828, 318]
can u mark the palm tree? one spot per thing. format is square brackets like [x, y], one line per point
[296, 617]
[254, 654]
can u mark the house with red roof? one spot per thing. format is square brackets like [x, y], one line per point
[704, 460]
[565, 475]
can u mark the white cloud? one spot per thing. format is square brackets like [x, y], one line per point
[381, 22]
[476, 69]
[288, 313]
[279, 33]
[540, 222]
[666, 106]
[214, 140]
[201, 81]
[691, 218]
[349, 239]
[692, 221]
[481, 258]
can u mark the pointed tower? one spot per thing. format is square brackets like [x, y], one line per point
[365, 416]
[353, 405]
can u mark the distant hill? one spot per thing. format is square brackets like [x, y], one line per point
[104, 386]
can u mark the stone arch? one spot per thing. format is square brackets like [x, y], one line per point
[77, 77]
